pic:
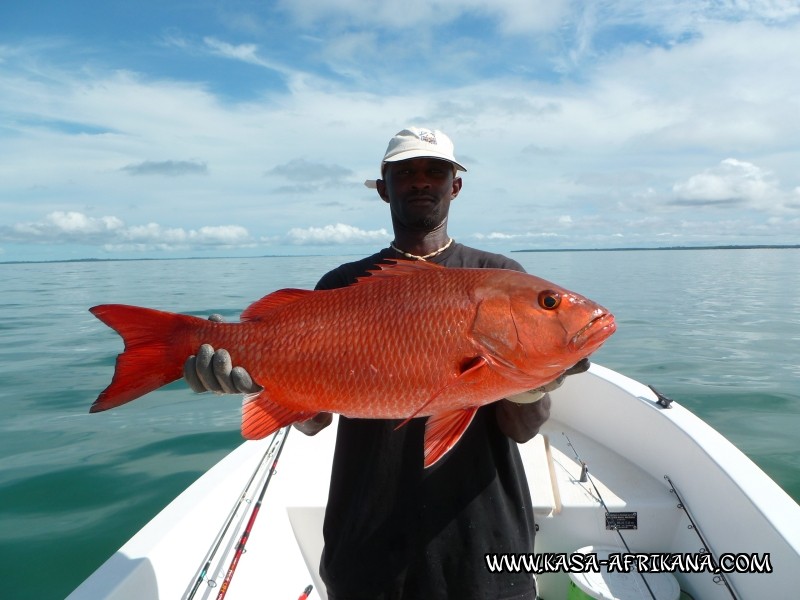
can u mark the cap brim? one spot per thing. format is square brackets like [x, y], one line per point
[409, 154]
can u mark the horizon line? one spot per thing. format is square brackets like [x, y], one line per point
[631, 249]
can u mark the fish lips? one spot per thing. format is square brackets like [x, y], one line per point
[594, 333]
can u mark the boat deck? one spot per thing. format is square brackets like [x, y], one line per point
[613, 423]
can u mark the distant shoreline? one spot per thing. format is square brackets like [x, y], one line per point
[638, 249]
[94, 260]
[731, 247]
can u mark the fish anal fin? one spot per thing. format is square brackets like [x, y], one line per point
[261, 416]
[443, 431]
[262, 307]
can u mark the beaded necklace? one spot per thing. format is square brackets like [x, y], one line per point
[427, 256]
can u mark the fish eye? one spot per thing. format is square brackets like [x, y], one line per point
[549, 300]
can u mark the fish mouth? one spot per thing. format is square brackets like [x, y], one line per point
[595, 332]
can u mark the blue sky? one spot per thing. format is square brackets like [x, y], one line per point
[199, 128]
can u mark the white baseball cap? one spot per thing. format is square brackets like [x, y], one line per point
[416, 142]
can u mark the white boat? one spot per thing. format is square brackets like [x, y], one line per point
[662, 488]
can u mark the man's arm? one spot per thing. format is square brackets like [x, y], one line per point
[521, 422]
[315, 424]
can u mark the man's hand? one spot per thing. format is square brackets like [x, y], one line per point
[536, 394]
[212, 371]
[521, 416]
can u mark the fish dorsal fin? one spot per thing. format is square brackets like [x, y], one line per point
[444, 430]
[397, 268]
[262, 307]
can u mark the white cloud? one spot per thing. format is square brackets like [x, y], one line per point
[74, 222]
[522, 16]
[657, 92]
[61, 225]
[732, 182]
[243, 52]
[300, 169]
[111, 233]
[170, 168]
[336, 234]
[309, 177]
[219, 235]
[526, 236]
[419, 14]
[517, 16]
[247, 53]
[768, 10]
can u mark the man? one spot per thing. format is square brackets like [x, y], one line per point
[394, 530]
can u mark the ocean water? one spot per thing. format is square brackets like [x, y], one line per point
[717, 330]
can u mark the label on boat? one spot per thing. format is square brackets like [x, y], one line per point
[622, 520]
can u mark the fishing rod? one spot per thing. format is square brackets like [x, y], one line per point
[585, 472]
[228, 522]
[705, 548]
[223, 590]
[306, 592]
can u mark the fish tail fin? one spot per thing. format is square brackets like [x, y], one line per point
[156, 347]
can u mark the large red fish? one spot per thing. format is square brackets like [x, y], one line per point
[412, 339]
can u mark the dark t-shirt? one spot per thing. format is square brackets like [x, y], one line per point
[394, 530]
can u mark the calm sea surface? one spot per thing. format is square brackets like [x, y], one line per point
[717, 330]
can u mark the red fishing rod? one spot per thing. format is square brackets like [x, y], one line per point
[228, 522]
[243, 540]
[306, 592]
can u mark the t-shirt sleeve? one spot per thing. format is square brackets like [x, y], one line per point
[348, 273]
[331, 280]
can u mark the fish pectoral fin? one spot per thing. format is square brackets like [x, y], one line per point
[444, 430]
[261, 416]
[472, 372]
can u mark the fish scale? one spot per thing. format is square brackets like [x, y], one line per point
[412, 339]
[336, 366]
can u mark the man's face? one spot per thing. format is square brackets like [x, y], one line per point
[419, 191]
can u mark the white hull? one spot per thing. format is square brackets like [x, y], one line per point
[614, 423]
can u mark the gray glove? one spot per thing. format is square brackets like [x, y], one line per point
[537, 394]
[212, 371]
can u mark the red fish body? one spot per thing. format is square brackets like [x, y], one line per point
[410, 340]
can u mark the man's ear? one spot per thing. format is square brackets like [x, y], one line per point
[457, 183]
[380, 185]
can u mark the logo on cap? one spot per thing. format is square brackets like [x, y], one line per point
[426, 135]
